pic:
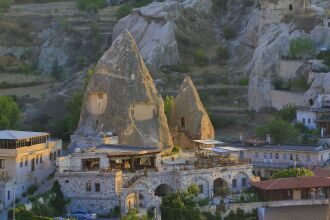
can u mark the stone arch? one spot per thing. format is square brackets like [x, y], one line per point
[220, 187]
[163, 190]
[203, 185]
[131, 201]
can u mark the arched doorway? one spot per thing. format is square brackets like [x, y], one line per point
[131, 201]
[163, 190]
[220, 187]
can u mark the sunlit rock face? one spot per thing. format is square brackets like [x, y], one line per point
[121, 98]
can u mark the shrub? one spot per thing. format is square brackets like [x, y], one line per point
[9, 113]
[126, 9]
[299, 84]
[243, 82]
[292, 172]
[168, 105]
[219, 4]
[57, 72]
[301, 47]
[288, 112]
[181, 68]
[280, 131]
[220, 122]
[201, 58]
[228, 33]
[91, 5]
[88, 76]
[5, 5]
[65, 24]
[222, 53]
[32, 189]
[176, 149]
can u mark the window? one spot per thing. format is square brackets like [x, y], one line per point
[8, 195]
[40, 158]
[309, 121]
[88, 187]
[308, 158]
[51, 156]
[276, 156]
[183, 123]
[243, 182]
[234, 183]
[21, 163]
[2, 163]
[58, 153]
[270, 155]
[265, 156]
[97, 187]
[284, 156]
[290, 7]
[91, 164]
[291, 157]
[26, 161]
[304, 120]
[297, 157]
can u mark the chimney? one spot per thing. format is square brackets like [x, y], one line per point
[268, 139]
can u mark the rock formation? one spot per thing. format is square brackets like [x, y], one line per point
[189, 119]
[121, 98]
[154, 28]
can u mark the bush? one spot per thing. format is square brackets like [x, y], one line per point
[280, 131]
[32, 189]
[243, 82]
[168, 105]
[219, 4]
[228, 33]
[91, 6]
[222, 53]
[126, 9]
[301, 47]
[288, 112]
[293, 172]
[299, 84]
[181, 68]
[5, 5]
[176, 149]
[201, 58]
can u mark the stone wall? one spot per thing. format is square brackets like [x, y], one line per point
[281, 98]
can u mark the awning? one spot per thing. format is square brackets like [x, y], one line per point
[209, 142]
[224, 149]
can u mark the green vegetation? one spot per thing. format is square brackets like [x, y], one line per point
[36, 1]
[301, 47]
[168, 105]
[222, 54]
[244, 81]
[292, 172]
[91, 6]
[68, 124]
[299, 84]
[183, 205]
[22, 214]
[220, 121]
[282, 132]
[32, 189]
[88, 76]
[201, 58]
[65, 24]
[133, 215]
[246, 198]
[5, 85]
[288, 112]
[181, 68]
[325, 56]
[126, 9]
[9, 113]
[241, 215]
[229, 33]
[176, 150]
[5, 5]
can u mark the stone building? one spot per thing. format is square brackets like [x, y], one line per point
[317, 115]
[26, 159]
[286, 6]
[189, 119]
[121, 98]
[103, 177]
[267, 159]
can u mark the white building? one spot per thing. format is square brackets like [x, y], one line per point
[26, 159]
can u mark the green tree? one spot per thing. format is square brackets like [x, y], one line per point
[281, 132]
[9, 113]
[228, 33]
[91, 6]
[222, 53]
[5, 5]
[201, 58]
[88, 76]
[301, 47]
[288, 112]
[292, 172]
[168, 105]
[133, 215]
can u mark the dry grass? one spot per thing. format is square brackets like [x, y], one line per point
[33, 91]
[22, 78]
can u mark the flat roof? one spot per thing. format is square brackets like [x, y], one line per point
[18, 135]
[116, 149]
[287, 147]
[209, 142]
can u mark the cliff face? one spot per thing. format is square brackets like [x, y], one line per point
[121, 98]
[189, 119]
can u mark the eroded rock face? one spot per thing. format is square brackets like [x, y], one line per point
[121, 98]
[189, 119]
[153, 28]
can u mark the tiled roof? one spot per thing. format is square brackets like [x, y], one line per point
[17, 135]
[293, 183]
[319, 171]
[304, 212]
